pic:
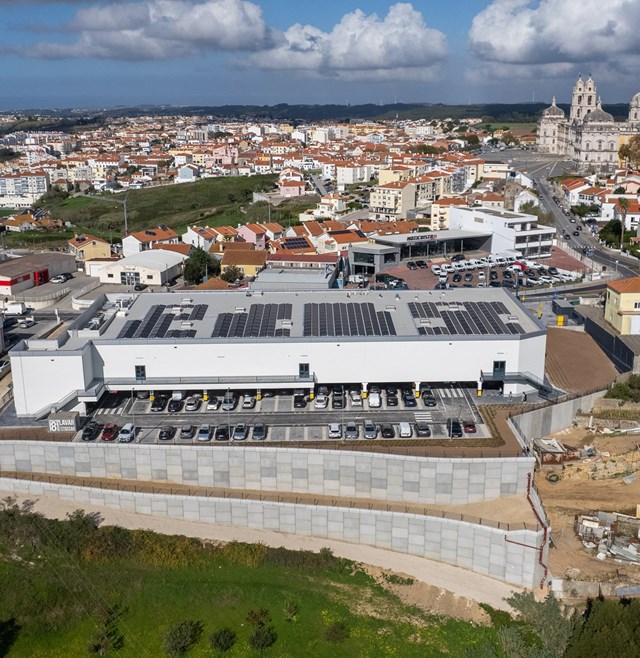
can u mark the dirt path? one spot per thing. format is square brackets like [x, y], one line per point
[454, 580]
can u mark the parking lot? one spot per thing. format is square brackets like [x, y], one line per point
[284, 421]
[418, 275]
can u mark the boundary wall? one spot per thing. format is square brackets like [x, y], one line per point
[398, 478]
[552, 418]
[508, 555]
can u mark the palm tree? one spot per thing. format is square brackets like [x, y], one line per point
[623, 205]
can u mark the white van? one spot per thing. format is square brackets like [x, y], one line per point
[501, 260]
[405, 431]
[127, 434]
[178, 395]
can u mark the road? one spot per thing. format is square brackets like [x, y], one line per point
[541, 167]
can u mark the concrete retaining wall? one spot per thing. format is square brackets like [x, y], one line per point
[541, 422]
[510, 556]
[421, 480]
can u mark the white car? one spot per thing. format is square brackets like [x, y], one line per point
[213, 403]
[436, 269]
[26, 323]
[335, 431]
[321, 401]
[356, 398]
[374, 399]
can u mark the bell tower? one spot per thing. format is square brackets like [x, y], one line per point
[583, 99]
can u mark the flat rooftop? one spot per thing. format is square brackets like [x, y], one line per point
[350, 315]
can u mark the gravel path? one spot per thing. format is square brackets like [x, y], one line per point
[459, 582]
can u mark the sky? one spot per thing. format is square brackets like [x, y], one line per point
[105, 53]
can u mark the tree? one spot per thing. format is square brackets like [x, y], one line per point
[231, 274]
[619, 190]
[609, 628]
[623, 205]
[181, 637]
[199, 265]
[223, 640]
[259, 618]
[547, 619]
[508, 138]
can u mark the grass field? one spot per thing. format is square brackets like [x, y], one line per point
[58, 579]
[210, 202]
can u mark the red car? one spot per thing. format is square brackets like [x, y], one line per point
[469, 427]
[110, 432]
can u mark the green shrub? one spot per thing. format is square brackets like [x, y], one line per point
[262, 638]
[182, 636]
[223, 640]
[337, 632]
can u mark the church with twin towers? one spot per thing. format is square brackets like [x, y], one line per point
[589, 136]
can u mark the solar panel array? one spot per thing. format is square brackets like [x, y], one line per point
[158, 320]
[347, 320]
[468, 318]
[296, 243]
[259, 322]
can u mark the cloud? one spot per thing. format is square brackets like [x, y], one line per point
[553, 35]
[159, 29]
[399, 46]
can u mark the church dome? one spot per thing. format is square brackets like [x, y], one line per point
[635, 101]
[598, 115]
[553, 110]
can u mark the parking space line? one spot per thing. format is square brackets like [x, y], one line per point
[472, 409]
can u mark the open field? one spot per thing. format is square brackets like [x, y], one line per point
[60, 579]
[210, 202]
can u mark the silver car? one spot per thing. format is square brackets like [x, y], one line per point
[370, 430]
[351, 430]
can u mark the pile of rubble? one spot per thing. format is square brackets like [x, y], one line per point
[610, 536]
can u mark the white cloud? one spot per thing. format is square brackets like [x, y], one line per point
[362, 47]
[160, 29]
[554, 34]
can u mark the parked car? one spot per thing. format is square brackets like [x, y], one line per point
[321, 401]
[213, 403]
[204, 433]
[335, 431]
[338, 399]
[421, 264]
[90, 431]
[428, 398]
[142, 395]
[356, 398]
[222, 433]
[370, 430]
[457, 277]
[299, 401]
[422, 429]
[60, 278]
[249, 402]
[408, 399]
[454, 428]
[405, 431]
[159, 403]
[187, 431]
[174, 406]
[374, 399]
[469, 427]
[192, 404]
[259, 432]
[392, 400]
[388, 432]
[127, 434]
[240, 432]
[411, 265]
[109, 432]
[351, 430]
[167, 432]
[26, 323]
[229, 401]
